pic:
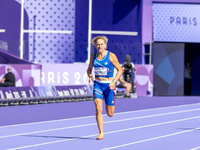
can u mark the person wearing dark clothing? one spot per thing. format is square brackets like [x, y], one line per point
[8, 79]
[123, 84]
[187, 79]
[129, 68]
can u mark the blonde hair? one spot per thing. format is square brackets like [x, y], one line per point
[94, 40]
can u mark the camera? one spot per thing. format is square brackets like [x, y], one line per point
[128, 66]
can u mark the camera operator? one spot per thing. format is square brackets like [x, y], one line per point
[129, 74]
[129, 69]
[123, 84]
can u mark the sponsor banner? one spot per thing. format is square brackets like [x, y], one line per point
[176, 22]
[15, 92]
[5, 93]
[64, 74]
[77, 90]
[31, 92]
[22, 92]
[59, 91]
[44, 91]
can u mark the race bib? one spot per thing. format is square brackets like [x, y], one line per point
[101, 71]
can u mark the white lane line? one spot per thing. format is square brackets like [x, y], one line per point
[2, 30]
[64, 128]
[113, 121]
[116, 131]
[195, 148]
[68, 119]
[53, 142]
[51, 121]
[150, 139]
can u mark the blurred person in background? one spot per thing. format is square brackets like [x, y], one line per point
[123, 84]
[187, 79]
[129, 72]
[8, 79]
[129, 68]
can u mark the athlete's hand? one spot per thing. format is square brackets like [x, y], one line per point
[90, 79]
[112, 85]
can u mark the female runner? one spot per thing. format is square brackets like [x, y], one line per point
[103, 62]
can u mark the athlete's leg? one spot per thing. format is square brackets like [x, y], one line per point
[110, 101]
[110, 110]
[99, 117]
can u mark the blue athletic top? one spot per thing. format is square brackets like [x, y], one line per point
[103, 68]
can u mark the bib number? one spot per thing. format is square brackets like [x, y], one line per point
[101, 71]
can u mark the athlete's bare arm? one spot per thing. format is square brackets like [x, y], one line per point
[89, 70]
[115, 62]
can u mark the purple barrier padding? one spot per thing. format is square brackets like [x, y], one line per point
[39, 91]
[89, 88]
[68, 91]
[7, 92]
[25, 75]
[46, 91]
[30, 91]
[22, 92]
[15, 92]
[55, 91]
[76, 90]
[2, 95]
[59, 90]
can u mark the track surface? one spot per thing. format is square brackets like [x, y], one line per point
[162, 128]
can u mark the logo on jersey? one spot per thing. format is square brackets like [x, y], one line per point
[105, 63]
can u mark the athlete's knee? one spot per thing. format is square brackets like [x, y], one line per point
[110, 110]
[98, 111]
[99, 108]
[110, 114]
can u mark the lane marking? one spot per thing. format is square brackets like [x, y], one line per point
[150, 139]
[53, 142]
[84, 125]
[68, 119]
[2, 30]
[195, 148]
[116, 131]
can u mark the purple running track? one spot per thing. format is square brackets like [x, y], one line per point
[144, 123]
